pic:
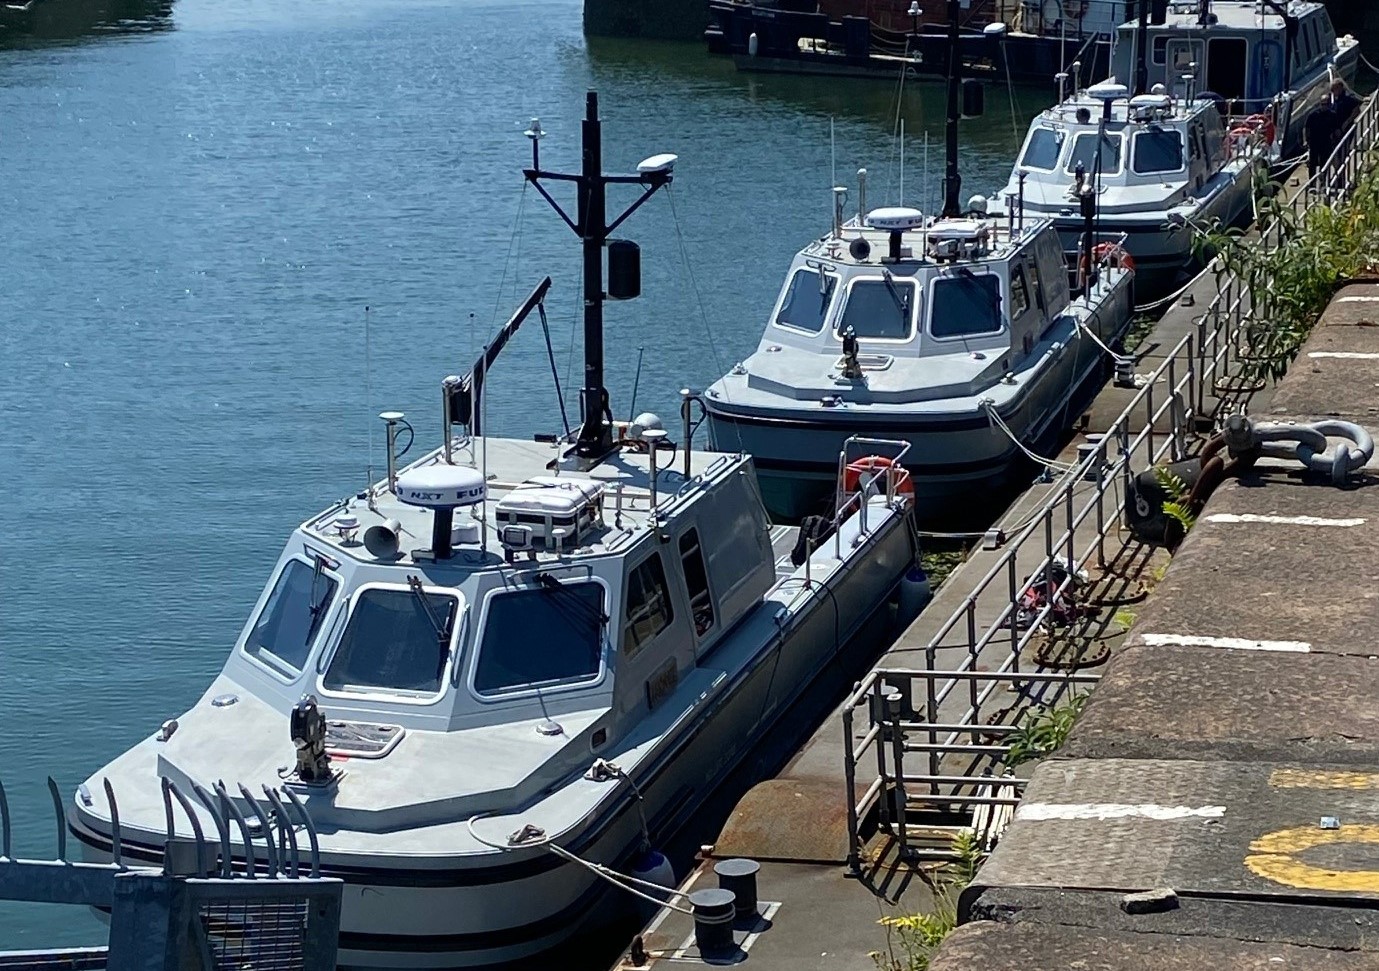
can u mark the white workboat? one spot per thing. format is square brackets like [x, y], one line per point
[512, 662]
[1157, 168]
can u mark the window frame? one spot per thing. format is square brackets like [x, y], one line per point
[1060, 134]
[980, 335]
[394, 695]
[286, 673]
[544, 690]
[1158, 49]
[829, 310]
[1182, 150]
[698, 549]
[897, 281]
[1119, 136]
[624, 620]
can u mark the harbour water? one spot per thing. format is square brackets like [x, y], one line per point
[231, 234]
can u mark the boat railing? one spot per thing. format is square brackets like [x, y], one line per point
[200, 910]
[954, 717]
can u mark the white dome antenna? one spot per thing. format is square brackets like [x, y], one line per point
[442, 488]
[662, 164]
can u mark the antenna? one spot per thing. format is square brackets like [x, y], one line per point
[832, 154]
[902, 161]
[1141, 82]
[368, 400]
[591, 225]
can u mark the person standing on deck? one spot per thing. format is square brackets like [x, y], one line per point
[1319, 131]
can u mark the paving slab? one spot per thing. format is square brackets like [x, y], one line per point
[1029, 947]
[1291, 833]
[1202, 703]
[1341, 928]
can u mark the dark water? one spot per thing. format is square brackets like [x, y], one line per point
[197, 203]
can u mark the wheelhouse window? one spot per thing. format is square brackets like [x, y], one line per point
[1159, 52]
[1042, 149]
[1157, 150]
[805, 306]
[551, 634]
[697, 582]
[283, 634]
[395, 641]
[1019, 293]
[966, 305]
[1085, 151]
[648, 610]
[879, 309]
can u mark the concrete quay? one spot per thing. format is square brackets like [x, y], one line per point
[1229, 757]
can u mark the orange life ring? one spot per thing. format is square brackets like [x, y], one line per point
[870, 466]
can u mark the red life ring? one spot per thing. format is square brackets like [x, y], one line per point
[1106, 252]
[871, 466]
[1264, 125]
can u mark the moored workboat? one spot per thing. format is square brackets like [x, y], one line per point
[514, 662]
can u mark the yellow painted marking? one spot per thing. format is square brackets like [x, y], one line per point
[1309, 779]
[1274, 857]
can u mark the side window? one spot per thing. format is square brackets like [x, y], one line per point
[1019, 293]
[1033, 273]
[648, 610]
[697, 581]
[1159, 52]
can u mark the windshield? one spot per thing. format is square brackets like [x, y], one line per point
[292, 615]
[552, 634]
[879, 309]
[1157, 151]
[1084, 151]
[806, 301]
[1043, 149]
[396, 640]
[966, 305]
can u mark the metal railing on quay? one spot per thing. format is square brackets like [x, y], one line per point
[1205, 375]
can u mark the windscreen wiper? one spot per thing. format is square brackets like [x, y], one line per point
[317, 607]
[903, 303]
[571, 604]
[442, 629]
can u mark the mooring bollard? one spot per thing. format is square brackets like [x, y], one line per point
[740, 877]
[714, 911]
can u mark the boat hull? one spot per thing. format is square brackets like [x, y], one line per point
[956, 461]
[506, 909]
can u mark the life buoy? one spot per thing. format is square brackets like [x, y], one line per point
[872, 466]
[1264, 125]
[1109, 252]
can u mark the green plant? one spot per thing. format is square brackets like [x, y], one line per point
[1291, 267]
[912, 939]
[1125, 618]
[1177, 507]
[1044, 731]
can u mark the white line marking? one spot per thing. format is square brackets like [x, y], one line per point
[1357, 300]
[1115, 810]
[1230, 517]
[1345, 355]
[1235, 643]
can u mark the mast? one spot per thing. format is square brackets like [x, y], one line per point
[1141, 81]
[952, 180]
[595, 439]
